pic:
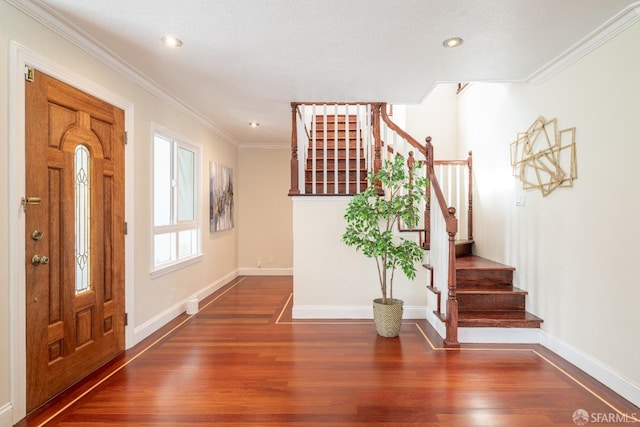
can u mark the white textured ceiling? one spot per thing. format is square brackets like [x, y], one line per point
[246, 60]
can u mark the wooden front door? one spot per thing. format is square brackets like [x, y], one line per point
[74, 209]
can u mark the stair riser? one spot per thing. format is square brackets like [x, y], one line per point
[331, 134]
[489, 278]
[353, 144]
[342, 154]
[331, 176]
[330, 118]
[501, 302]
[341, 124]
[486, 323]
[342, 164]
[463, 249]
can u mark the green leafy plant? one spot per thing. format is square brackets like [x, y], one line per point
[393, 195]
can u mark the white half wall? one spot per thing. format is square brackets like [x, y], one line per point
[332, 280]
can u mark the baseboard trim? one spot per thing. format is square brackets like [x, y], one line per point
[266, 271]
[349, 312]
[598, 370]
[155, 323]
[6, 415]
[437, 324]
[499, 335]
[593, 367]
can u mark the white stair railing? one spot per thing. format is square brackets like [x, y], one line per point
[320, 155]
[456, 180]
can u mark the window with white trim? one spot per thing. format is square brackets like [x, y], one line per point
[176, 200]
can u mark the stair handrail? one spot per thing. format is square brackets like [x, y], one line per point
[400, 131]
[451, 227]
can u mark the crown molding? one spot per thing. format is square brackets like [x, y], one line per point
[69, 31]
[605, 32]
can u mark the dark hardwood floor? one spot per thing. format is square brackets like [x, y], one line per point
[242, 361]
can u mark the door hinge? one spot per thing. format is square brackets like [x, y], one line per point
[126, 138]
[29, 73]
[126, 319]
[126, 228]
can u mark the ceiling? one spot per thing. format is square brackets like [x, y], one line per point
[246, 60]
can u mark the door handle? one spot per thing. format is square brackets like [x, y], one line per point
[40, 260]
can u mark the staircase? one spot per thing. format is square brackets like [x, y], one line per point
[486, 295]
[346, 156]
[333, 149]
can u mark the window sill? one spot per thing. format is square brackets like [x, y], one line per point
[177, 265]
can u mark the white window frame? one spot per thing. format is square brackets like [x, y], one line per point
[196, 224]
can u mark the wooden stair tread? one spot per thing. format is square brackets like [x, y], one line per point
[498, 319]
[479, 289]
[473, 262]
[463, 242]
[332, 117]
[340, 181]
[353, 144]
[352, 168]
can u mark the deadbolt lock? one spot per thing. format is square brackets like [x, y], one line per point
[40, 260]
[24, 201]
[36, 235]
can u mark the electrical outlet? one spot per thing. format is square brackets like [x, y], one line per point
[270, 260]
[520, 199]
[259, 262]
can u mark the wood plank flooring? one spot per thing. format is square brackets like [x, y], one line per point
[242, 361]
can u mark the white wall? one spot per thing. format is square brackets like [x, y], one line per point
[332, 280]
[575, 250]
[154, 301]
[264, 211]
[437, 117]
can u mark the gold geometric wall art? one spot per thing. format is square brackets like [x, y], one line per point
[544, 158]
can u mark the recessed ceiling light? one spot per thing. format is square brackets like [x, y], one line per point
[171, 41]
[254, 124]
[452, 42]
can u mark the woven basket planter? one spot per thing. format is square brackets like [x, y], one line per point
[387, 317]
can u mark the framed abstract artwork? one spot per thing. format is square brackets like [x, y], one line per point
[220, 197]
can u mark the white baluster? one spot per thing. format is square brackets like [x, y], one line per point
[346, 143]
[324, 148]
[314, 130]
[335, 149]
[358, 144]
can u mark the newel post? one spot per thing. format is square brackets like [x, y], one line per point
[428, 149]
[451, 338]
[377, 144]
[470, 214]
[294, 190]
[411, 162]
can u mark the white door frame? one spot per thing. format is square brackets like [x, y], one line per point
[19, 58]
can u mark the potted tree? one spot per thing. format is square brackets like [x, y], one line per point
[393, 195]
